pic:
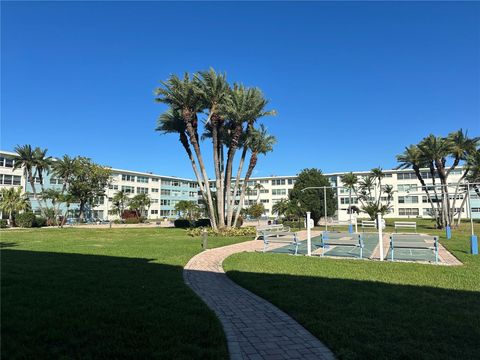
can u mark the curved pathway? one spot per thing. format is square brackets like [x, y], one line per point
[255, 329]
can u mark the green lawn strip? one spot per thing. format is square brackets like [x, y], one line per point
[104, 293]
[374, 310]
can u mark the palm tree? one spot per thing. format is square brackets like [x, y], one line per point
[413, 158]
[246, 105]
[12, 201]
[55, 197]
[214, 91]
[261, 143]
[34, 162]
[258, 187]
[120, 201]
[64, 169]
[182, 96]
[140, 203]
[349, 180]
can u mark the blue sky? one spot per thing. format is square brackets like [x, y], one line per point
[353, 83]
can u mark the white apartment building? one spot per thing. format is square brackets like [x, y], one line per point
[166, 191]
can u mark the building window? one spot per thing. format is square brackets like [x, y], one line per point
[128, 189]
[154, 179]
[142, 190]
[166, 182]
[277, 182]
[264, 201]
[165, 202]
[155, 190]
[408, 199]
[475, 210]
[291, 181]
[164, 212]
[406, 176]
[126, 177]
[165, 192]
[263, 181]
[408, 211]
[176, 183]
[154, 212]
[279, 192]
[407, 187]
[154, 201]
[142, 179]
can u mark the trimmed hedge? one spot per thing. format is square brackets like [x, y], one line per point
[183, 223]
[203, 223]
[132, 220]
[25, 220]
[3, 223]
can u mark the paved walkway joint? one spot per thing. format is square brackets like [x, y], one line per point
[255, 329]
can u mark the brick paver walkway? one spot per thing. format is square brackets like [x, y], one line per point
[255, 329]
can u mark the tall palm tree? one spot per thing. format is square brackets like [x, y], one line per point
[261, 143]
[413, 158]
[182, 96]
[64, 169]
[214, 91]
[33, 162]
[349, 180]
[12, 201]
[245, 107]
[258, 187]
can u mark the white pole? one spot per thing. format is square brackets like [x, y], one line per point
[309, 236]
[325, 205]
[380, 235]
[469, 213]
[356, 222]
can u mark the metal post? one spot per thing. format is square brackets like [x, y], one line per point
[350, 225]
[325, 205]
[380, 235]
[204, 239]
[473, 237]
[309, 236]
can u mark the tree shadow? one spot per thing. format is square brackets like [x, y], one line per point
[373, 320]
[7, 244]
[57, 305]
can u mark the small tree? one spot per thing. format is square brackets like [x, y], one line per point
[188, 209]
[313, 200]
[120, 202]
[256, 210]
[12, 202]
[140, 203]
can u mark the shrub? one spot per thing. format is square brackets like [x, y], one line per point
[203, 223]
[294, 224]
[239, 222]
[132, 220]
[40, 222]
[183, 223]
[26, 220]
[229, 232]
[3, 223]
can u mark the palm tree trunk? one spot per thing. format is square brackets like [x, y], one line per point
[186, 146]
[237, 182]
[31, 180]
[193, 136]
[459, 218]
[216, 165]
[228, 169]
[251, 166]
[452, 215]
[416, 169]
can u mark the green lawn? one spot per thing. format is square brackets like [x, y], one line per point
[109, 293]
[373, 310]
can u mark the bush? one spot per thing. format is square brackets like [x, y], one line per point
[132, 220]
[3, 223]
[40, 222]
[239, 222]
[294, 224]
[26, 220]
[229, 232]
[183, 223]
[203, 223]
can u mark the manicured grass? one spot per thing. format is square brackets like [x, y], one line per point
[110, 293]
[374, 310]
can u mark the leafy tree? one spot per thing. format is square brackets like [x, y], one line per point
[256, 210]
[12, 202]
[313, 199]
[88, 184]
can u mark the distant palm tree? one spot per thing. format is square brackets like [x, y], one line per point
[258, 187]
[34, 162]
[349, 180]
[12, 201]
[120, 202]
[140, 203]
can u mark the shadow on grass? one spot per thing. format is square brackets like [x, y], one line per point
[7, 245]
[57, 305]
[372, 320]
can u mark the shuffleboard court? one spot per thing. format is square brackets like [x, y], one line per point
[413, 247]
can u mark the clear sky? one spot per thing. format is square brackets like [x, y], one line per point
[353, 83]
